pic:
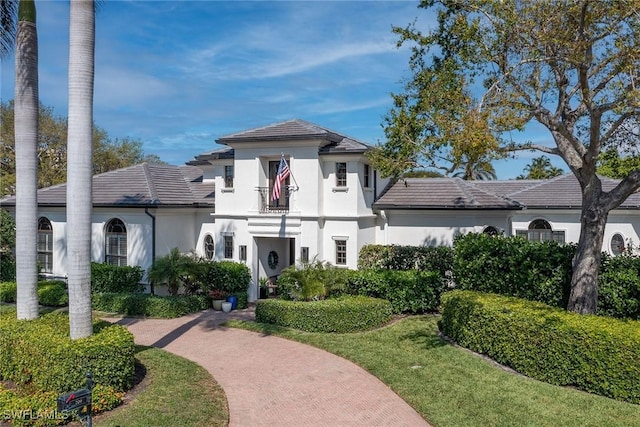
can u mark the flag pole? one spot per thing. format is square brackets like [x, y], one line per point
[292, 177]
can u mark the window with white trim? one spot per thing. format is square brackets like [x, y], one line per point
[228, 176]
[209, 248]
[45, 245]
[540, 230]
[617, 244]
[115, 243]
[228, 247]
[341, 174]
[341, 252]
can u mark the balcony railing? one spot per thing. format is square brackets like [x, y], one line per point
[273, 206]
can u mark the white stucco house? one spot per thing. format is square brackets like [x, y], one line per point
[333, 202]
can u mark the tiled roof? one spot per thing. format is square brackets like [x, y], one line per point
[143, 185]
[298, 129]
[203, 159]
[441, 193]
[562, 192]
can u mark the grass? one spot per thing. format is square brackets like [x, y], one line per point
[449, 386]
[178, 392]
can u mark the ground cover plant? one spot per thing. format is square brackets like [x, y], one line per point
[450, 386]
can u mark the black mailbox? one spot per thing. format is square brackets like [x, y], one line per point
[75, 400]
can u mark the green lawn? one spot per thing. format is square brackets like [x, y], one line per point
[178, 393]
[450, 386]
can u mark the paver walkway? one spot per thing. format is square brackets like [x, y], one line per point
[270, 381]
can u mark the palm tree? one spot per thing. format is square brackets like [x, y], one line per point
[79, 165]
[540, 168]
[26, 106]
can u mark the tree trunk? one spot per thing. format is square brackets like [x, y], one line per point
[79, 165]
[26, 140]
[586, 262]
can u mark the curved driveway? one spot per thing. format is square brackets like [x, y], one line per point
[270, 381]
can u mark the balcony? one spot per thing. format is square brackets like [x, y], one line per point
[266, 205]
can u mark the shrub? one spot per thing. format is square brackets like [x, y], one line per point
[537, 271]
[619, 287]
[312, 281]
[8, 291]
[7, 267]
[53, 293]
[149, 305]
[408, 291]
[392, 257]
[39, 353]
[228, 276]
[114, 278]
[593, 353]
[344, 314]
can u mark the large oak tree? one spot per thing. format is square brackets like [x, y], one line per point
[490, 67]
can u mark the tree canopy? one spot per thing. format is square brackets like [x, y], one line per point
[108, 154]
[490, 67]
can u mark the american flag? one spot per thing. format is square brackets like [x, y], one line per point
[283, 173]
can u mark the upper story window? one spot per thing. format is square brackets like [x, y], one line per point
[209, 249]
[617, 244]
[367, 176]
[228, 176]
[115, 243]
[540, 230]
[341, 174]
[228, 247]
[45, 245]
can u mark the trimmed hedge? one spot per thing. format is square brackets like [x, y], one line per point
[39, 353]
[597, 354]
[230, 277]
[149, 305]
[344, 314]
[407, 291]
[114, 278]
[50, 292]
[537, 271]
[392, 257]
[619, 287]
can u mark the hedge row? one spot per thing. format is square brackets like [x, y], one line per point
[342, 315]
[537, 271]
[392, 257]
[593, 353]
[149, 305]
[115, 278]
[407, 291]
[50, 292]
[541, 271]
[40, 353]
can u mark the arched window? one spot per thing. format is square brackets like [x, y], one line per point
[45, 245]
[208, 247]
[116, 243]
[540, 230]
[491, 230]
[617, 244]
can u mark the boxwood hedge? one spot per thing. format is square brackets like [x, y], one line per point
[344, 314]
[149, 305]
[597, 354]
[39, 353]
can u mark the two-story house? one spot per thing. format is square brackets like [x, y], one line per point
[325, 208]
[332, 202]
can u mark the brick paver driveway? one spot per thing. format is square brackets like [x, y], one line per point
[270, 381]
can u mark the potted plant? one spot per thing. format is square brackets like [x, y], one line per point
[264, 287]
[217, 298]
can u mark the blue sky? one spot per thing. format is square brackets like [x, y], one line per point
[177, 75]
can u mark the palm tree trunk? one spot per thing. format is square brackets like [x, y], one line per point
[26, 137]
[79, 169]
